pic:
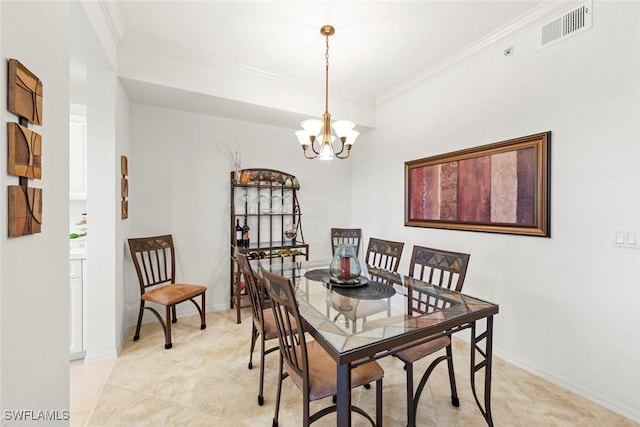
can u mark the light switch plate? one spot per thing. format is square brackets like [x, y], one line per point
[631, 239]
[626, 239]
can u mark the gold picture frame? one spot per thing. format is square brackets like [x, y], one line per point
[500, 188]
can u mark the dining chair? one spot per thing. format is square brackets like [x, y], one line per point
[383, 254]
[155, 261]
[349, 236]
[310, 367]
[263, 323]
[441, 268]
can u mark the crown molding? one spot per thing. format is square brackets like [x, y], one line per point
[511, 30]
[103, 28]
[135, 42]
[113, 18]
[215, 63]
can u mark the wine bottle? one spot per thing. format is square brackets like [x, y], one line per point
[245, 233]
[238, 233]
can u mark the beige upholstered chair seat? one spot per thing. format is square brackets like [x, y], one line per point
[323, 376]
[417, 352]
[173, 294]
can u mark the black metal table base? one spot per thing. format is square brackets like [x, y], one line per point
[483, 363]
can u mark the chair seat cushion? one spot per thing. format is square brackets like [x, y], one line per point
[323, 373]
[173, 293]
[403, 322]
[419, 351]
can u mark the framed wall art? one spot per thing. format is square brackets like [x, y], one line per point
[501, 188]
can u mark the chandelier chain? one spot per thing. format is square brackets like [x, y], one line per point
[326, 80]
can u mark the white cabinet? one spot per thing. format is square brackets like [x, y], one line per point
[77, 152]
[76, 274]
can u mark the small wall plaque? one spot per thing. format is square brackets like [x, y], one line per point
[25, 210]
[25, 93]
[25, 152]
[124, 187]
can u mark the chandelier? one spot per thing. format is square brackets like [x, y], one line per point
[316, 134]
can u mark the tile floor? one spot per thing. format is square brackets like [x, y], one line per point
[204, 381]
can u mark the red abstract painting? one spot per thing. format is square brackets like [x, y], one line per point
[500, 187]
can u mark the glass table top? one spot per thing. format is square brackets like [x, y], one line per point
[389, 308]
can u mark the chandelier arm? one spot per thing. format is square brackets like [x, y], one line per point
[304, 150]
[313, 147]
[342, 144]
[346, 155]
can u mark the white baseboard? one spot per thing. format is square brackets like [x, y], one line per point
[98, 357]
[561, 381]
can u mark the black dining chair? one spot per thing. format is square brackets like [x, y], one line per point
[441, 268]
[308, 365]
[345, 236]
[155, 261]
[384, 254]
[263, 326]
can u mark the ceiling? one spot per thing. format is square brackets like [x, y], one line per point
[378, 46]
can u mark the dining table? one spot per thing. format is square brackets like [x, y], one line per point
[379, 316]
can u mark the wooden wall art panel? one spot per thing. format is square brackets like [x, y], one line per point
[25, 93]
[25, 210]
[124, 209]
[124, 165]
[25, 152]
[124, 187]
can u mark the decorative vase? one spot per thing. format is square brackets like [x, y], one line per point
[244, 177]
[345, 267]
[291, 232]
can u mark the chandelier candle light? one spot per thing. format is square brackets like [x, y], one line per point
[314, 130]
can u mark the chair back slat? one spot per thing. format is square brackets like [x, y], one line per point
[256, 293]
[438, 267]
[291, 339]
[384, 254]
[348, 236]
[154, 260]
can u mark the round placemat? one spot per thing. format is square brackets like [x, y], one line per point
[322, 275]
[370, 291]
[318, 275]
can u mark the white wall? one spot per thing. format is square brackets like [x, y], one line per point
[179, 184]
[34, 270]
[569, 305]
[103, 188]
[121, 226]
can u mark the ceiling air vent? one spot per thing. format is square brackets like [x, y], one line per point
[568, 24]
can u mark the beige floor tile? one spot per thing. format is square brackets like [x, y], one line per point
[204, 380]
